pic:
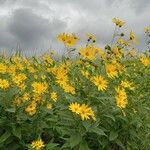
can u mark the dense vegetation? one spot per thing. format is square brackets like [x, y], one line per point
[98, 100]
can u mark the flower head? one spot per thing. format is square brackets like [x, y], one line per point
[38, 144]
[100, 82]
[118, 22]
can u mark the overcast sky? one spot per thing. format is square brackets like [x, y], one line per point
[34, 24]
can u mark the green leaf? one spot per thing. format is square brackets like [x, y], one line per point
[51, 146]
[83, 146]
[11, 110]
[75, 139]
[111, 117]
[113, 135]
[17, 132]
[5, 136]
[98, 131]
[120, 144]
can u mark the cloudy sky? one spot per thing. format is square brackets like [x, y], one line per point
[34, 24]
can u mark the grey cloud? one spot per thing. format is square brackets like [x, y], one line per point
[30, 30]
[27, 27]
[140, 6]
[36, 23]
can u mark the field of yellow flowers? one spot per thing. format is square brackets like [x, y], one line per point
[98, 100]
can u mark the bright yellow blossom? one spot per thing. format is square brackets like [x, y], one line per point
[38, 144]
[84, 111]
[3, 68]
[91, 37]
[121, 97]
[145, 60]
[75, 107]
[118, 22]
[39, 87]
[89, 52]
[111, 70]
[127, 84]
[69, 40]
[53, 96]
[4, 84]
[100, 82]
[133, 38]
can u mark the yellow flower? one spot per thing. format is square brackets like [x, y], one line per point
[3, 68]
[69, 40]
[147, 30]
[37, 98]
[38, 144]
[111, 70]
[25, 97]
[127, 84]
[47, 59]
[17, 101]
[145, 60]
[118, 22]
[39, 87]
[31, 69]
[100, 82]
[68, 88]
[53, 96]
[133, 37]
[89, 52]
[85, 73]
[4, 84]
[49, 106]
[103, 54]
[75, 107]
[19, 66]
[18, 79]
[123, 42]
[117, 52]
[121, 98]
[84, 111]
[12, 69]
[31, 109]
[131, 53]
[22, 86]
[91, 37]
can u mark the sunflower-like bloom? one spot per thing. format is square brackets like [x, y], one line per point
[68, 88]
[91, 37]
[31, 109]
[133, 38]
[89, 52]
[118, 22]
[54, 96]
[3, 68]
[147, 30]
[84, 111]
[121, 97]
[19, 78]
[100, 82]
[39, 87]
[38, 144]
[4, 84]
[69, 40]
[145, 60]
[111, 70]
[47, 59]
[117, 52]
[127, 84]
[75, 107]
